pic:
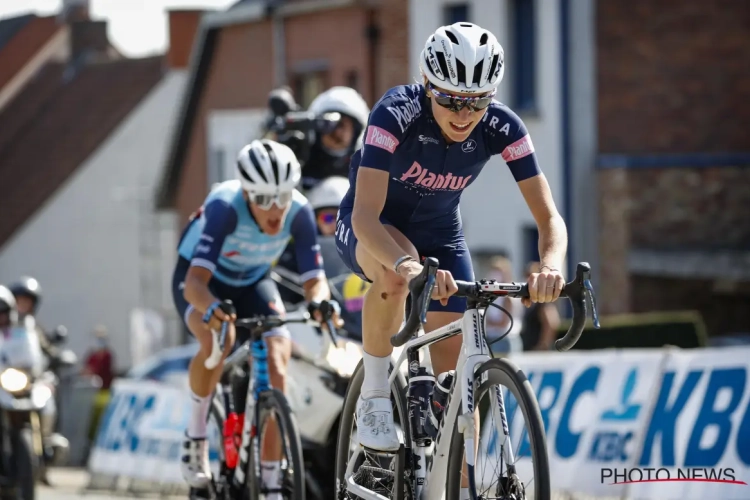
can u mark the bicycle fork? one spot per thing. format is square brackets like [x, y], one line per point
[259, 382]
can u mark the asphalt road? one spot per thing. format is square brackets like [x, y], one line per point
[69, 484]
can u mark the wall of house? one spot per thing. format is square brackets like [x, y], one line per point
[673, 87]
[97, 247]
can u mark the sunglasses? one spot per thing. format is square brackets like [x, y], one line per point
[266, 201]
[326, 217]
[457, 103]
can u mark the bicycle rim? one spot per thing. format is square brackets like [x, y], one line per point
[503, 373]
[273, 404]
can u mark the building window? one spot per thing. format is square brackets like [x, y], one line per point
[308, 85]
[456, 13]
[523, 60]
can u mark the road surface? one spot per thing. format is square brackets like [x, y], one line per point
[70, 484]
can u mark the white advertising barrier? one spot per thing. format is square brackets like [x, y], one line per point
[140, 435]
[640, 424]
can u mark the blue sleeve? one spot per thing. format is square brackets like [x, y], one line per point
[220, 221]
[507, 136]
[305, 234]
[383, 135]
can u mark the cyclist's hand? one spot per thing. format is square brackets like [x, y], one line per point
[544, 286]
[409, 270]
[325, 310]
[445, 286]
[224, 311]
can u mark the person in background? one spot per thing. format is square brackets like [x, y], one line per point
[8, 309]
[28, 294]
[100, 360]
[497, 321]
[540, 323]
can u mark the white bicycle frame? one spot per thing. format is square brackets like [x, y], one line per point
[474, 352]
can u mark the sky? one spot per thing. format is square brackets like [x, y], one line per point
[136, 27]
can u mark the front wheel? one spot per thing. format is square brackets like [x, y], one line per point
[24, 462]
[527, 477]
[274, 408]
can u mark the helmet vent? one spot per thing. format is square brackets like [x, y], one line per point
[450, 35]
[483, 39]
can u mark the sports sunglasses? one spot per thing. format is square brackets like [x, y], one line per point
[457, 103]
[266, 201]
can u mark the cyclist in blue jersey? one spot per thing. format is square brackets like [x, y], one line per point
[424, 144]
[225, 253]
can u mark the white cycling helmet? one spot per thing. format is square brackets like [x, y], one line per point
[268, 167]
[463, 57]
[328, 193]
[344, 100]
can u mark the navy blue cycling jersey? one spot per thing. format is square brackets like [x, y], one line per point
[428, 175]
[225, 239]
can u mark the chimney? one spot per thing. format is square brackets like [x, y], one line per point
[74, 10]
[183, 26]
[88, 37]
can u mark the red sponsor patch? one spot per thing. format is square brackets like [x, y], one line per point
[232, 253]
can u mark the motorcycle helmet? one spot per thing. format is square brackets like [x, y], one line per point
[347, 102]
[27, 286]
[8, 305]
[329, 193]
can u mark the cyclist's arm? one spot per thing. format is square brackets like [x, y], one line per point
[221, 220]
[510, 138]
[309, 259]
[382, 136]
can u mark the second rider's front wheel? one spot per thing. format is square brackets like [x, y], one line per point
[274, 411]
[527, 477]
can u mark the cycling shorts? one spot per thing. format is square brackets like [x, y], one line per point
[446, 245]
[260, 298]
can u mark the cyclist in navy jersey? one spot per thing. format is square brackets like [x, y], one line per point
[424, 144]
[225, 253]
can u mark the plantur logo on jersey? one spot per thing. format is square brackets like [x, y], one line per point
[522, 147]
[422, 177]
[381, 138]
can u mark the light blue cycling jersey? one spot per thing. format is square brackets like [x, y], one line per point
[224, 238]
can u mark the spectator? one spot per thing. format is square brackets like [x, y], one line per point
[497, 321]
[99, 360]
[540, 322]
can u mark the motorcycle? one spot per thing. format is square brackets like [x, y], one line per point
[27, 410]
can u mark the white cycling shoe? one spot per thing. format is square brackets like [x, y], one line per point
[194, 463]
[375, 427]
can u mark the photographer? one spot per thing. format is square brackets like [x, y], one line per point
[325, 136]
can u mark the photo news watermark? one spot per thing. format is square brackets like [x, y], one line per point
[634, 475]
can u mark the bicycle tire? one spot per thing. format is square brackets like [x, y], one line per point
[500, 371]
[274, 401]
[346, 421]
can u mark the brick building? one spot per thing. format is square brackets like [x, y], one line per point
[673, 120]
[241, 54]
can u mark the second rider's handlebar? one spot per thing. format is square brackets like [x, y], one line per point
[260, 324]
[579, 291]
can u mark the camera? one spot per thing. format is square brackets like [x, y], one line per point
[296, 128]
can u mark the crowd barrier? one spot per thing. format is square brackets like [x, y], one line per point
[614, 419]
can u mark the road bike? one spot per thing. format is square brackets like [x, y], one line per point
[247, 385]
[437, 439]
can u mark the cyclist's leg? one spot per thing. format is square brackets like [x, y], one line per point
[264, 299]
[194, 464]
[382, 315]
